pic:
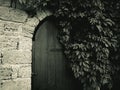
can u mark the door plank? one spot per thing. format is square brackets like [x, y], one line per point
[41, 58]
[51, 58]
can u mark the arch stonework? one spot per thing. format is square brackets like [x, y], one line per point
[16, 32]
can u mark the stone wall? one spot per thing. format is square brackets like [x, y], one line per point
[16, 32]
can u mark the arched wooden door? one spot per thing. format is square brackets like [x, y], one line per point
[49, 69]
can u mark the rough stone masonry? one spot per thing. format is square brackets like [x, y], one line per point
[16, 32]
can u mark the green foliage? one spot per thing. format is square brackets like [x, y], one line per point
[90, 35]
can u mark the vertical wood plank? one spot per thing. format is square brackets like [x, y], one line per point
[41, 58]
[51, 57]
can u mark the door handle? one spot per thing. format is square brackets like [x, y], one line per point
[34, 74]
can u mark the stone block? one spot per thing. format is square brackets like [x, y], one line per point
[33, 22]
[1, 23]
[8, 46]
[12, 29]
[17, 84]
[25, 71]
[7, 33]
[1, 30]
[27, 31]
[43, 14]
[8, 42]
[25, 43]
[1, 57]
[8, 39]
[11, 14]
[15, 71]
[17, 57]
[1, 27]
[5, 72]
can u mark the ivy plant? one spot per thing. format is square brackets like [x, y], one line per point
[90, 35]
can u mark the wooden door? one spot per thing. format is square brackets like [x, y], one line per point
[49, 67]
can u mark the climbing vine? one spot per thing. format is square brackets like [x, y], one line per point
[90, 35]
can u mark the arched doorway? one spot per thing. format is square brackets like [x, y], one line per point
[49, 66]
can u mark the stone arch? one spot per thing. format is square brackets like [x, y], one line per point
[48, 18]
[16, 33]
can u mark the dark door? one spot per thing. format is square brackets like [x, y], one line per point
[49, 67]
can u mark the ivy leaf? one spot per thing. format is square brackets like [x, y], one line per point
[22, 1]
[45, 4]
[77, 52]
[110, 22]
[105, 81]
[99, 27]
